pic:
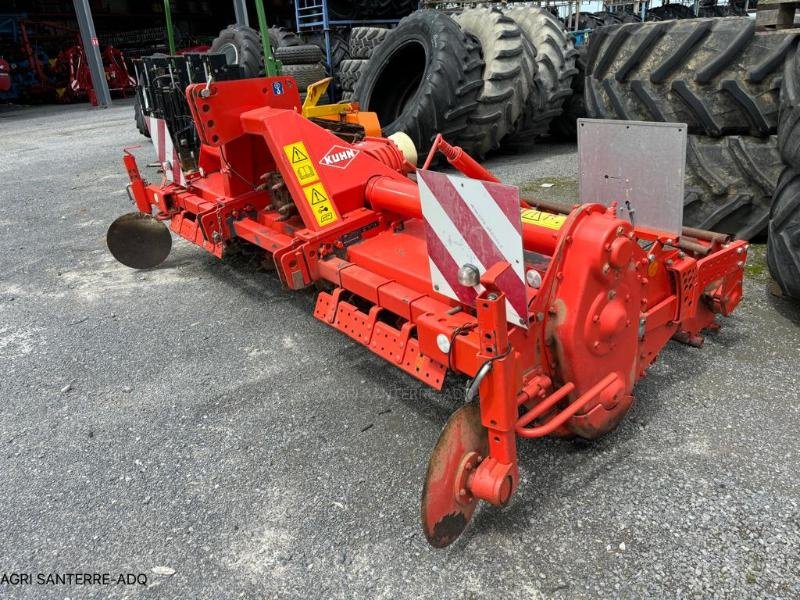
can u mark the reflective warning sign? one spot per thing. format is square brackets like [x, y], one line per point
[321, 204]
[543, 219]
[301, 163]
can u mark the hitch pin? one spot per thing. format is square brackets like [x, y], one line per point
[207, 90]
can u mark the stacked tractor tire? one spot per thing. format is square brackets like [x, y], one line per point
[362, 44]
[722, 78]
[242, 46]
[483, 78]
[783, 250]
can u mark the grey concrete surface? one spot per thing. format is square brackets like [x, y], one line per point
[197, 417]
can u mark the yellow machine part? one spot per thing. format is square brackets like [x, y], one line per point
[346, 112]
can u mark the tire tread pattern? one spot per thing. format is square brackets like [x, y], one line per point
[364, 41]
[730, 182]
[783, 247]
[555, 57]
[450, 85]
[718, 75]
[507, 78]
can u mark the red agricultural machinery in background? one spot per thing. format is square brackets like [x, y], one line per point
[5, 76]
[54, 66]
[120, 81]
[553, 316]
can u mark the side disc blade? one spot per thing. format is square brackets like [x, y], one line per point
[139, 241]
[445, 513]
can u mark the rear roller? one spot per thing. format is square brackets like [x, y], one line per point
[447, 503]
[139, 241]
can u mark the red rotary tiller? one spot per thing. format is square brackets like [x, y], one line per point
[553, 317]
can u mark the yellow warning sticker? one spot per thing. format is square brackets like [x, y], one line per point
[301, 163]
[542, 219]
[321, 204]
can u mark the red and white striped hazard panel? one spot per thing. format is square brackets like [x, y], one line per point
[166, 154]
[477, 223]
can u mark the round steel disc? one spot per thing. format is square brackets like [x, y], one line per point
[444, 514]
[139, 241]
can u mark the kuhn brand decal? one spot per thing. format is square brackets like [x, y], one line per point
[339, 157]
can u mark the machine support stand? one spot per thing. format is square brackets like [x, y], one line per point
[497, 476]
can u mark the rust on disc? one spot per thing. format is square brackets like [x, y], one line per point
[446, 509]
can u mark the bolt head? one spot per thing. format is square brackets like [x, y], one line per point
[534, 278]
[469, 276]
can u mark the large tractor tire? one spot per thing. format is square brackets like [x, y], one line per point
[364, 41]
[555, 68]
[507, 78]
[783, 248]
[789, 121]
[423, 79]
[717, 75]
[565, 126]
[350, 72]
[730, 183]
[280, 37]
[340, 48]
[241, 46]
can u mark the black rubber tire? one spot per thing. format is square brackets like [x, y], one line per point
[565, 126]
[507, 78]
[555, 69]
[669, 12]
[789, 120]
[364, 41]
[783, 244]
[717, 75]
[280, 37]
[305, 75]
[593, 20]
[423, 79]
[340, 51]
[241, 45]
[138, 115]
[350, 72]
[340, 47]
[306, 54]
[730, 182]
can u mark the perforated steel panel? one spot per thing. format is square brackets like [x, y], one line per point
[639, 165]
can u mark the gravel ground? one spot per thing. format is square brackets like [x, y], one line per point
[198, 418]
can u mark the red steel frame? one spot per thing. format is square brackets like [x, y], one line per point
[610, 298]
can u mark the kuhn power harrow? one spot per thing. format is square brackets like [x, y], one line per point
[553, 317]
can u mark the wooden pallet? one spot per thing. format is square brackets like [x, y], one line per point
[775, 14]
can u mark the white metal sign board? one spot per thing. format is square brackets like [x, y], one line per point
[638, 165]
[476, 223]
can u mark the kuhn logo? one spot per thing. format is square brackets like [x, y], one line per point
[339, 157]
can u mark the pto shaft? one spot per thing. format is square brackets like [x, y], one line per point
[401, 196]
